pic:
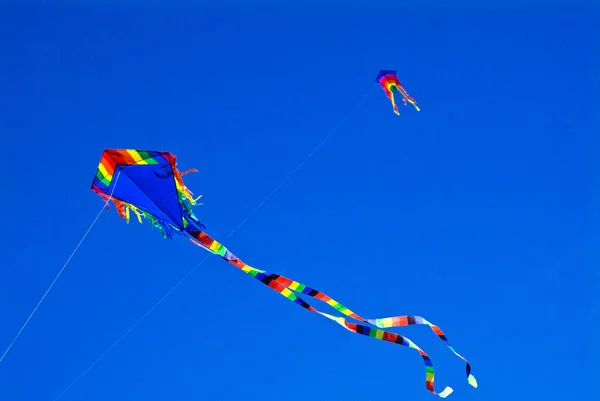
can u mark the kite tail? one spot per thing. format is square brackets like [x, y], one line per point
[397, 321]
[286, 286]
[389, 92]
[396, 339]
[269, 280]
[394, 105]
[410, 99]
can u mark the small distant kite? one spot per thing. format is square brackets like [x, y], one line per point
[391, 84]
[148, 184]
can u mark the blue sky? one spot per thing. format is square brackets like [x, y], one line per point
[477, 213]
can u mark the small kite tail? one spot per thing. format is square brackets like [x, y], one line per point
[399, 321]
[410, 99]
[414, 104]
[394, 338]
[394, 105]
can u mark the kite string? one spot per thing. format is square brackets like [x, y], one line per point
[310, 154]
[190, 272]
[59, 273]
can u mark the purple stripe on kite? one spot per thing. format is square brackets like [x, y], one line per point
[160, 158]
[418, 320]
[228, 255]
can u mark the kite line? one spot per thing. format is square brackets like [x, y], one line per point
[60, 272]
[244, 220]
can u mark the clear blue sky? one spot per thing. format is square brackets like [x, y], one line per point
[478, 213]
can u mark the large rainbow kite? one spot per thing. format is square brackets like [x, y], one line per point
[148, 184]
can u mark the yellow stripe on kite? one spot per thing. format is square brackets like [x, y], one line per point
[136, 156]
[105, 172]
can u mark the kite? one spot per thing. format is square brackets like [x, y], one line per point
[390, 83]
[149, 185]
